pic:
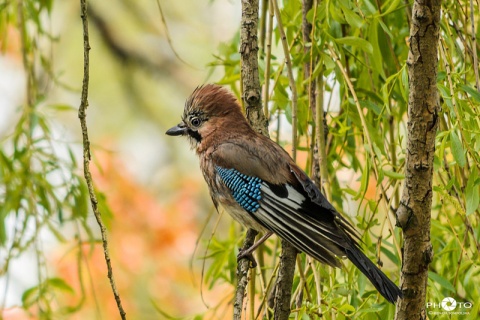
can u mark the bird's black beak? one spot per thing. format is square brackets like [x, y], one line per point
[179, 130]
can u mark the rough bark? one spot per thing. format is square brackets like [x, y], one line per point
[413, 214]
[256, 118]
[283, 291]
[253, 105]
[242, 276]
[82, 115]
[249, 60]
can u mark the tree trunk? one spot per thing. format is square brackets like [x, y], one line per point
[256, 118]
[413, 214]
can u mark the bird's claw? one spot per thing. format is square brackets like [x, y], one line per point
[247, 254]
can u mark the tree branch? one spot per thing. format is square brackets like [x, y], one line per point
[242, 276]
[256, 118]
[249, 71]
[413, 214]
[82, 115]
[283, 292]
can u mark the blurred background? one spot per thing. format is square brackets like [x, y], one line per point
[143, 67]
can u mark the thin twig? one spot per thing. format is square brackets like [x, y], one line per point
[268, 60]
[320, 137]
[474, 47]
[167, 35]
[82, 115]
[291, 80]
[212, 234]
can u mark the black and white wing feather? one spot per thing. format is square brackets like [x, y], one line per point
[301, 215]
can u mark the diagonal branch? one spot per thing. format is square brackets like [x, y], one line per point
[87, 155]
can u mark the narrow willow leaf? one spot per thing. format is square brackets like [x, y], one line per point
[457, 149]
[364, 180]
[3, 233]
[356, 42]
[62, 107]
[329, 63]
[436, 278]
[377, 63]
[60, 284]
[29, 297]
[394, 175]
[441, 151]
[373, 308]
[80, 204]
[346, 308]
[390, 255]
[393, 6]
[352, 18]
[385, 28]
[472, 192]
[474, 93]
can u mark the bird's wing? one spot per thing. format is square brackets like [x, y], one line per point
[290, 205]
[319, 199]
[281, 197]
[256, 156]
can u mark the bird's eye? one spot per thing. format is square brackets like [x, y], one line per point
[195, 121]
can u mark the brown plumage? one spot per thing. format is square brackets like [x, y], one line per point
[258, 183]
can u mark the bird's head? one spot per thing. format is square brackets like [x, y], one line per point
[209, 108]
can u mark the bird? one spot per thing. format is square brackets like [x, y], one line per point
[260, 186]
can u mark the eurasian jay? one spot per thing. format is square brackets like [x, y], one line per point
[261, 187]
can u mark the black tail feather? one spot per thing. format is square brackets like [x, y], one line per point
[384, 285]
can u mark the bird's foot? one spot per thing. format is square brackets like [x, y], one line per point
[247, 254]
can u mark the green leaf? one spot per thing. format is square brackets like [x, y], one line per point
[29, 297]
[80, 204]
[390, 255]
[352, 19]
[393, 6]
[356, 42]
[441, 281]
[472, 192]
[394, 175]
[377, 63]
[373, 308]
[346, 308]
[59, 283]
[364, 180]
[329, 63]
[474, 93]
[3, 232]
[457, 149]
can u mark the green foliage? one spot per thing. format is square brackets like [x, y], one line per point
[41, 194]
[367, 138]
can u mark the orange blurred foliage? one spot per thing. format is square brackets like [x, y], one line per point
[150, 248]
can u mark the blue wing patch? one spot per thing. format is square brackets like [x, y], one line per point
[245, 189]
